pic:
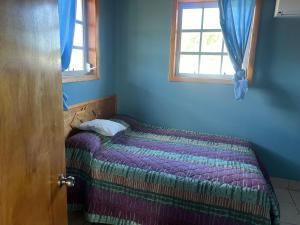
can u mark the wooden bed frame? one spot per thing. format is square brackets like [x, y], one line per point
[79, 113]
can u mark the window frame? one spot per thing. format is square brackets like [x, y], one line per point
[175, 45]
[92, 51]
[201, 31]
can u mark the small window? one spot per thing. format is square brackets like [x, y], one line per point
[198, 50]
[83, 63]
[202, 50]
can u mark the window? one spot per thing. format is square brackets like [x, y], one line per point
[78, 64]
[198, 51]
[83, 64]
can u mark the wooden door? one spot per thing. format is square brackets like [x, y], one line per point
[31, 115]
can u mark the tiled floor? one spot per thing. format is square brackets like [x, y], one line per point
[288, 194]
[289, 206]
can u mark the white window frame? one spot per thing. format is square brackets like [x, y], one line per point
[183, 6]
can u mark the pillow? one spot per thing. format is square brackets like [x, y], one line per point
[104, 127]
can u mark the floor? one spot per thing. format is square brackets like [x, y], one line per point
[289, 206]
[288, 194]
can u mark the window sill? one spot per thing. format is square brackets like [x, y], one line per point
[199, 80]
[72, 79]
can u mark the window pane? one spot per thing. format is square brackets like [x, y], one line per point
[78, 35]
[79, 10]
[227, 68]
[210, 64]
[191, 18]
[212, 42]
[189, 64]
[190, 42]
[211, 18]
[77, 59]
[225, 48]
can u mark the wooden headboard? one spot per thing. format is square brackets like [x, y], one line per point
[77, 114]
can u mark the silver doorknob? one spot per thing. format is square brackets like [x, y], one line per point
[68, 181]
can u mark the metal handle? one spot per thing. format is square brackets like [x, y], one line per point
[68, 181]
[90, 67]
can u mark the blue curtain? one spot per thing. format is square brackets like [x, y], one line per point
[236, 17]
[65, 102]
[67, 19]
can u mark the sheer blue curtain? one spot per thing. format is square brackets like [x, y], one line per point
[236, 17]
[67, 19]
[65, 102]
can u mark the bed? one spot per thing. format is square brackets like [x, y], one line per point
[156, 176]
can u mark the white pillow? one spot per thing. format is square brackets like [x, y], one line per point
[104, 127]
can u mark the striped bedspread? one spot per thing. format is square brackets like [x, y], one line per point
[155, 176]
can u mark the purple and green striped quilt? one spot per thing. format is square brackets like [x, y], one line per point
[155, 176]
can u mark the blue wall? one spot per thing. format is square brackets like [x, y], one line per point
[270, 114]
[89, 90]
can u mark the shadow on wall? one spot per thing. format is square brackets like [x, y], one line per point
[267, 155]
[165, 107]
[273, 76]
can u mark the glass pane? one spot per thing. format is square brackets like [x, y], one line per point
[79, 10]
[189, 64]
[78, 35]
[212, 42]
[191, 18]
[211, 18]
[225, 48]
[210, 64]
[227, 68]
[190, 42]
[77, 60]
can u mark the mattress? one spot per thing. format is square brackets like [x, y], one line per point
[151, 175]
